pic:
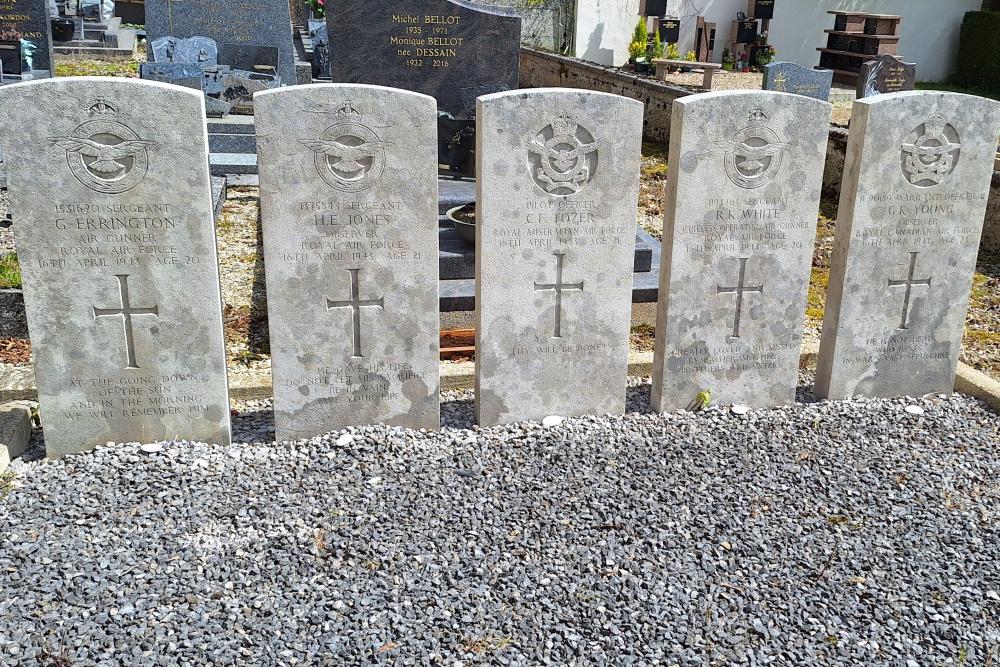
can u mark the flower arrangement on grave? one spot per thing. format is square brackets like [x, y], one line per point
[743, 64]
[728, 62]
[673, 53]
[765, 56]
[655, 50]
[637, 47]
[318, 7]
[690, 57]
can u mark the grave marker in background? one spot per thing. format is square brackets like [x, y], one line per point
[349, 210]
[557, 195]
[912, 205]
[798, 80]
[885, 74]
[30, 18]
[737, 246]
[251, 23]
[121, 280]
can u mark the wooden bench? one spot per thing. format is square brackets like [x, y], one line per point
[709, 69]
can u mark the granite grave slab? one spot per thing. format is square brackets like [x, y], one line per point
[196, 50]
[437, 47]
[912, 204]
[798, 80]
[249, 22]
[349, 212]
[189, 75]
[29, 18]
[250, 57]
[740, 223]
[120, 269]
[557, 194]
[885, 74]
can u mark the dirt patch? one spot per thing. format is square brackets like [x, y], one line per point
[15, 351]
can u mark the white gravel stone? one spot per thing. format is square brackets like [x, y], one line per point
[552, 420]
[152, 448]
[914, 410]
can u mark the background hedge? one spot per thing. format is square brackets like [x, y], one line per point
[979, 52]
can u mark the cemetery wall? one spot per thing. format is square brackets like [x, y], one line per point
[540, 69]
[604, 30]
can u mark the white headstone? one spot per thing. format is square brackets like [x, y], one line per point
[743, 196]
[112, 203]
[557, 192]
[349, 208]
[912, 204]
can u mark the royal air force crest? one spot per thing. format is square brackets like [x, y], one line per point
[562, 157]
[754, 155]
[104, 153]
[349, 155]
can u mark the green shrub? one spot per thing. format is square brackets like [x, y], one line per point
[978, 57]
[10, 272]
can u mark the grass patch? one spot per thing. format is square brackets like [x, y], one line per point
[6, 484]
[10, 272]
[951, 88]
[816, 301]
[127, 68]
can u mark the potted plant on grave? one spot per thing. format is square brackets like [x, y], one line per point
[63, 29]
[463, 218]
[765, 56]
[673, 53]
[744, 62]
[318, 7]
[637, 47]
[728, 62]
[690, 57]
[654, 52]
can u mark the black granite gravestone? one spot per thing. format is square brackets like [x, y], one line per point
[131, 11]
[452, 50]
[30, 20]
[885, 74]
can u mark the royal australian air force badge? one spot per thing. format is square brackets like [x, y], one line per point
[104, 153]
[349, 155]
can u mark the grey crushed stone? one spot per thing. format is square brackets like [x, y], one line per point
[828, 533]
[6, 228]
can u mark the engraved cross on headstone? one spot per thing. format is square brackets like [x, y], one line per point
[739, 290]
[559, 287]
[909, 283]
[356, 303]
[126, 311]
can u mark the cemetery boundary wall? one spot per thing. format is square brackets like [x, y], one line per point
[543, 69]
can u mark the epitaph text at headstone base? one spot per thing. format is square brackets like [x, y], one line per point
[30, 20]
[911, 214]
[441, 48]
[742, 203]
[798, 80]
[556, 208]
[246, 22]
[885, 74]
[349, 209]
[119, 263]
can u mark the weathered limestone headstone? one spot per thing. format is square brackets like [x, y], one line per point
[798, 80]
[119, 262]
[557, 194]
[742, 201]
[885, 74]
[349, 210]
[912, 204]
[247, 22]
[30, 18]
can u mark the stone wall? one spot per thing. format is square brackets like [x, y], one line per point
[540, 69]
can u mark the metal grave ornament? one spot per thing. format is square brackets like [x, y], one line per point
[105, 154]
[755, 154]
[350, 156]
[562, 158]
[931, 152]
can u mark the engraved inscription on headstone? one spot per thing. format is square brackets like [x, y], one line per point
[885, 74]
[911, 215]
[798, 80]
[349, 213]
[557, 196]
[119, 263]
[247, 22]
[740, 222]
[435, 47]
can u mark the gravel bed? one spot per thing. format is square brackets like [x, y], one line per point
[841, 533]
[6, 228]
